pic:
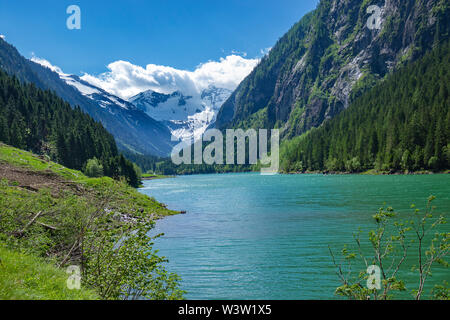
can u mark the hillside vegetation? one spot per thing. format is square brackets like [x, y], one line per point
[402, 124]
[66, 218]
[329, 58]
[41, 122]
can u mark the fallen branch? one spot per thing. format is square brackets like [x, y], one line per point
[29, 188]
[47, 226]
[21, 232]
[69, 253]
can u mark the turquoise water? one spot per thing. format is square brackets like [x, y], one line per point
[247, 236]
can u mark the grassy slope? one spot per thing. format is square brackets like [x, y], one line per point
[149, 176]
[128, 197]
[23, 274]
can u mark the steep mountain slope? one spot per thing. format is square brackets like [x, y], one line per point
[186, 116]
[401, 124]
[103, 98]
[329, 58]
[40, 121]
[133, 129]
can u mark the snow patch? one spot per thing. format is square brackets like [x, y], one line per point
[187, 117]
[85, 90]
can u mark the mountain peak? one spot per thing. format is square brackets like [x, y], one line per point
[132, 129]
[186, 116]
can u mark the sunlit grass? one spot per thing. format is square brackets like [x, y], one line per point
[27, 160]
[26, 277]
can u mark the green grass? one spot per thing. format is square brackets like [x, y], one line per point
[63, 207]
[27, 160]
[125, 198]
[26, 277]
[372, 172]
[150, 176]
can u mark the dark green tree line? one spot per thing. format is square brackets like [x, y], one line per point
[401, 124]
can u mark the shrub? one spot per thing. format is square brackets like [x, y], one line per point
[93, 168]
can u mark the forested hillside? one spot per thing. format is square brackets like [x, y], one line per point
[329, 58]
[402, 124]
[41, 122]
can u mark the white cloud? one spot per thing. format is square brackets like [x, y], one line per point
[126, 80]
[2, 36]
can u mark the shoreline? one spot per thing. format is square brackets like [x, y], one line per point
[159, 177]
[156, 177]
[371, 172]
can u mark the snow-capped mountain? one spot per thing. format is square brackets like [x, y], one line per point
[103, 98]
[132, 129]
[186, 116]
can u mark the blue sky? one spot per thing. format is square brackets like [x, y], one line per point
[181, 34]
